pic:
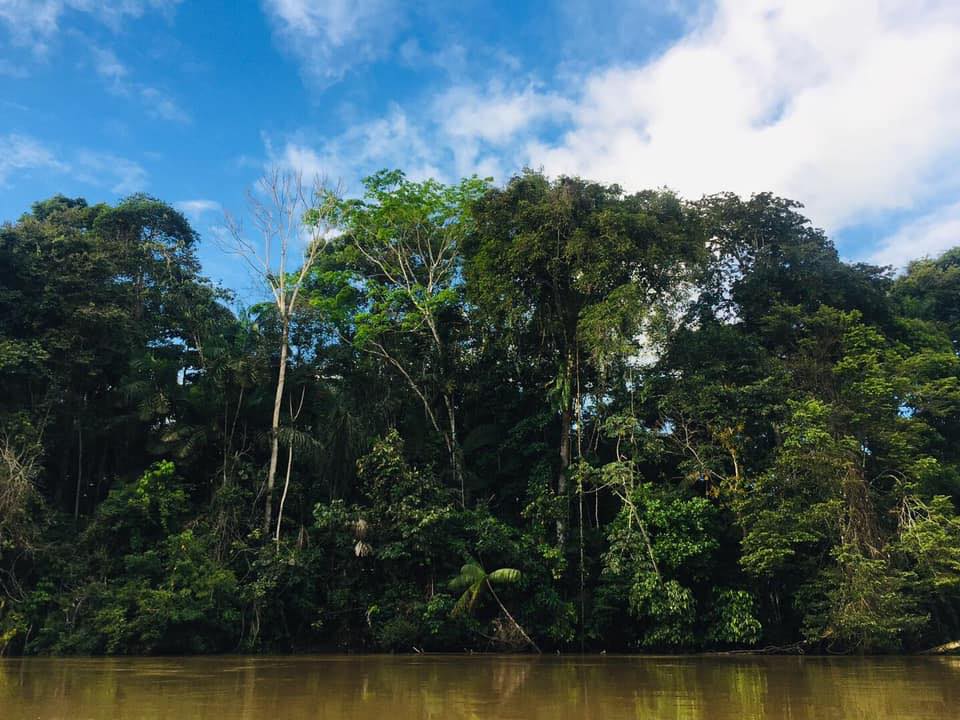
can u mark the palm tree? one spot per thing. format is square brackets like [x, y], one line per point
[473, 579]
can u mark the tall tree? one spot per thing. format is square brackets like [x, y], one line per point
[404, 241]
[564, 265]
[293, 223]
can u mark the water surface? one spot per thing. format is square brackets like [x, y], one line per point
[449, 687]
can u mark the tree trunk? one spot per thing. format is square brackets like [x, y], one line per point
[275, 431]
[510, 617]
[456, 454]
[283, 497]
[76, 499]
[566, 420]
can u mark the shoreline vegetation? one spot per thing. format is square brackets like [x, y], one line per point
[548, 416]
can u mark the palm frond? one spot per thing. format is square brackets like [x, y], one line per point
[467, 600]
[470, 574]
[505, 576]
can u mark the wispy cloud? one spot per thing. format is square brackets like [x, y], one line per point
[328, 38]
[108, 66]
[34, 23]
[121, 175]
[22, 154]
[463, 130]
[11, 69]
[160, 105]
[195, 209]
[119, 81]
[391, 141]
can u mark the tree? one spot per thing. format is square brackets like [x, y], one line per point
[930, 289]
[567, 266]
[473, 580]
[761, 441]
[403, 240]
[286, 215]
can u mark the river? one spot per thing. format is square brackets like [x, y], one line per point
[447, 687]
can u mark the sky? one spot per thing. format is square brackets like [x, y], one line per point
[851, 107]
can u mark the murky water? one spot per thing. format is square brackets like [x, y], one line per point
[448, 687]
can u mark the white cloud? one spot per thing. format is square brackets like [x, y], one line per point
[480, 126]
[852, 108]
[195, 209]
[11, 69]
[108, 66]
[846, 106]
[34, 23]
[495, 114]
[927, 236]
[160, 105]
[121, 175]
[329, 37]
[20, 153]
[465, 130]
[156, 102]
[389, 142]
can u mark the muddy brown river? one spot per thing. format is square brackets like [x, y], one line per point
[446, 687]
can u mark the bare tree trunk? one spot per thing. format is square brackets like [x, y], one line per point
[275, 433]
[281, 221]
[283, 497]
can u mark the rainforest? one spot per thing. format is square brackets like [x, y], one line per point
[546, 415]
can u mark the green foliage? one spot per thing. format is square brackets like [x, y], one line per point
[660, 548]
[473, 579]
[733, 620]
[663, 425]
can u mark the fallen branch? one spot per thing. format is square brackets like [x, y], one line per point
[949, 647]
[794, 649]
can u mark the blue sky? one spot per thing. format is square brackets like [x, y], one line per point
[851, 107]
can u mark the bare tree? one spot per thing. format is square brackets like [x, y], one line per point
[287, 217]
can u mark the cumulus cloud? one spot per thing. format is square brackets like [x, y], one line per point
[927, 236]
[852, 108]
[845, 106]
[329, 37]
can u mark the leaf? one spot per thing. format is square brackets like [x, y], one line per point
[470, 574]
[505, 576]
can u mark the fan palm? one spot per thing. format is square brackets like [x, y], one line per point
[473, 580]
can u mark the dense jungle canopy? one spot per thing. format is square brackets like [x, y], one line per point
[549, 414]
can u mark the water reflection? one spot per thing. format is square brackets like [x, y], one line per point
[447, 687]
